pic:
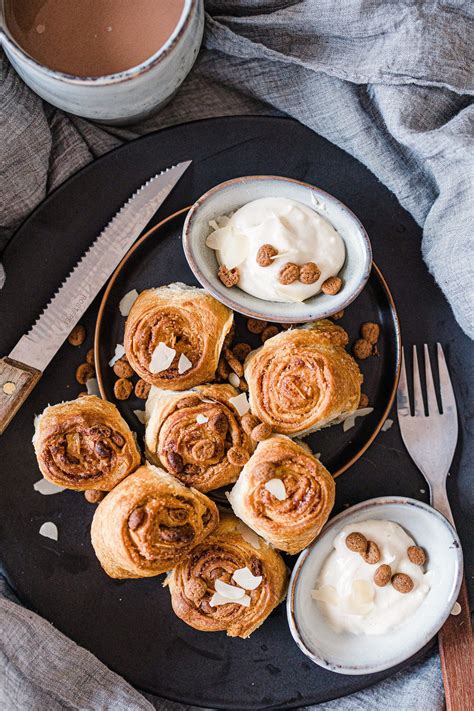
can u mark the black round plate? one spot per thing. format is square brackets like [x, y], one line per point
[158, 259]
[122, 622]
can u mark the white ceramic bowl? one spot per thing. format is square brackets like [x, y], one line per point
[347, 653]
[124, 97]
[228, 197]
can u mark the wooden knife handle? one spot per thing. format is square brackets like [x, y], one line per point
[17, 380]
[457, 659]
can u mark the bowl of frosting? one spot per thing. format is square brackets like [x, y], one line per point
[376, 586]
[277, 249]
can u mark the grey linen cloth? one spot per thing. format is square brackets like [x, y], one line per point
[390, 83]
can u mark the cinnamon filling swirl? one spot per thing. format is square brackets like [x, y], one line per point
[196, 439]
[83, 454]
[192, 582]
[85, 444]
[290, 516]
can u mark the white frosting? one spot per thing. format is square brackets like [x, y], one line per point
[346, 591]
[299, 234]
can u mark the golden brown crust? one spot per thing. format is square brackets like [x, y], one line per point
[303, 379]
[196, 452]
[293, 523]
[85, 444]
[192, 582]
[188, 320]
[148, 523]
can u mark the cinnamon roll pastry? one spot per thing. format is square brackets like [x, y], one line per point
[284, 494]
[212, 565]
[303, 379]
[148, 523]
[178, 318]
[197, 435]
[85, 444]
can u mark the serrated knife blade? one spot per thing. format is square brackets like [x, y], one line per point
[34, 351]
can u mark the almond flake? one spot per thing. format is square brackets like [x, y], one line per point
[246, 579]
[184, 364]
[161, 358]
[277, 488]
[234, 380]
[49, 530]
[45, 487]
[93, 387]
[327, 594]
[240, 403]
[140, 415]
[248, 535]
[235, 250]
[217, 599]
[217, 238]
[119, 352]
[231, 592]
[387, 424]
[349, 421]
[201, 419]
[127, 302]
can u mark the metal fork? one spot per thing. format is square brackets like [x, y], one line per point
[431, 440]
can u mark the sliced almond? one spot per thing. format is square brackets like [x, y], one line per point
[93, 387]
[217, 599]
[140, 415]
[184, 364]
[49, 530]
[246, 579]
[241, 403]
[127, 301]
[327, 594]
[161, 358]
[231, 592]
[45, 487]
[350, 419]
[119, 352]
[234, 380]
[277, 488]
[248, 535]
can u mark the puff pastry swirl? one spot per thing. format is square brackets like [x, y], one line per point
[85, 444]
[197, 435]
[303, 379]
[192, 582]
[292, 523]
[184, 318]
[148, 523]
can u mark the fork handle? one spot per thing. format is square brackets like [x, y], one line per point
[457, 658]
[455, 637]
[440, 502]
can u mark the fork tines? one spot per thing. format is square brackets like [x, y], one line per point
[447, 399]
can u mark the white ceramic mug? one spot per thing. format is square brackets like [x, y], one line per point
[124, 97]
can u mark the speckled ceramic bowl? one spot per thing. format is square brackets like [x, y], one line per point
[347, 653]
[228, 197]
[127, 96]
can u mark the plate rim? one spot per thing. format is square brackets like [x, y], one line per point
[180, 213]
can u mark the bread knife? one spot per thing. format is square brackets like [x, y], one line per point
[22, 368]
